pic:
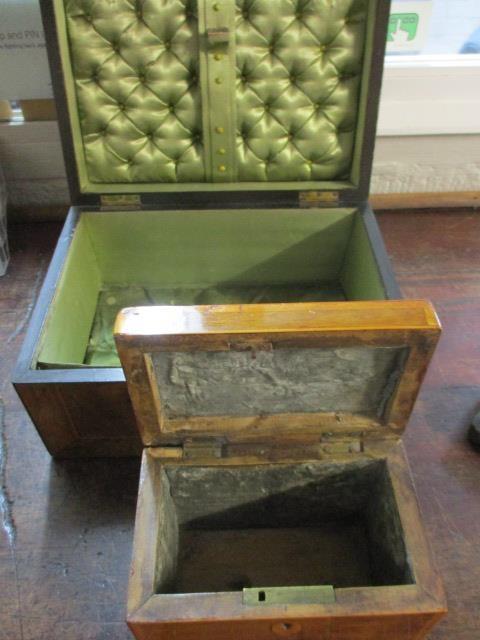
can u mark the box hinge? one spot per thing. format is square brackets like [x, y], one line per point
[311, 199]
[334, 446]
[261, 596]
[202, 449]
[121, 202]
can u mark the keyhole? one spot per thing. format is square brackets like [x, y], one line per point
[262, 596]
[290, 630]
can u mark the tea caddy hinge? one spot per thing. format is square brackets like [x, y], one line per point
[338, 446]
[202, 449]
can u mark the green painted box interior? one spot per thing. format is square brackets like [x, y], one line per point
[121, 259]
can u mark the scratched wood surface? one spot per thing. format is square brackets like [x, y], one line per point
[66, 528]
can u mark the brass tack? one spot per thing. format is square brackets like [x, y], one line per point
[218, 56]
[218, 80]
[222, 168]
[219, 129]
[216, 6]
[222, 151]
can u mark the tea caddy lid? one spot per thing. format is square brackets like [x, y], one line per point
[283, 373]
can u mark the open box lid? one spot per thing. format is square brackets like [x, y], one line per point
[273, 373]
[164, 102]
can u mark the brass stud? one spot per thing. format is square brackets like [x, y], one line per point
[218, 80]
[222, 151]
[219, 129]
[218, 56]
[222, 168]
[216, 6]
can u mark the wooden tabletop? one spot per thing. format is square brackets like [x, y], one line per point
[66, 528]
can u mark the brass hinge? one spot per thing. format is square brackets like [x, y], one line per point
[261, 596]
[122, 202]
[202, 449]
[311, 199]
[335, 446]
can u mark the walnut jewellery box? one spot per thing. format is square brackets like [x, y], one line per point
[216, 152]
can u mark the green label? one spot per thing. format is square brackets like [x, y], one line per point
[402, 27]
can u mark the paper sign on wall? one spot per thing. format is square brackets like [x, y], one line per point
[23, 58]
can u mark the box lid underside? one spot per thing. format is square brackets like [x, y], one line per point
[189, 95]
[276, 372]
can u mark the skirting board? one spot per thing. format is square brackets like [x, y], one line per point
[431, 200]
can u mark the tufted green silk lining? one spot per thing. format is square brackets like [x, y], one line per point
[158, 102]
